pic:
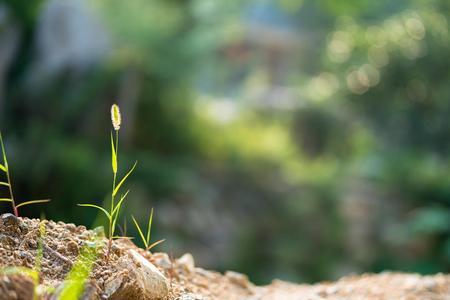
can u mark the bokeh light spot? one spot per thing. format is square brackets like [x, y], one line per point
[323, 86]
[357, 82]
[340, 46]
[415, 28]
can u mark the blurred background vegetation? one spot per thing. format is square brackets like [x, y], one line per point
[299, 139]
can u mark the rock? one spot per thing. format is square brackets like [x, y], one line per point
[71, 227]
[9, 220]
[16, 287]
[139, 279]
[238, 279]
[7, 240]
[187, 262]
[24, 229]
[162, 260]
[72, 247]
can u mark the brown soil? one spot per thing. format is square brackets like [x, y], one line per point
[62, 243]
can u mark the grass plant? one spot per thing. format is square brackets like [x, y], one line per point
[146, 238]
[112, 212]
[4, 167]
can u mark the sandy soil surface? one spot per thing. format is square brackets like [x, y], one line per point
[118, 276]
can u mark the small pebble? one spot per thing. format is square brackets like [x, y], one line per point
[9, 220]
[72, 247]
[238, 279]
[186, 261]
[162, 260]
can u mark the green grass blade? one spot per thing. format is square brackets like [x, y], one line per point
[5, 161]
[32, 202]
[140, 231]
[149, 226]
[116, 211]
[74, 283]
[2, 167]
[40, 250]
[4, 183]
[119, 204]
[97, 207]
[155, 244]
[113, 226]
[113, 156]
[5, 200]
[123, 179]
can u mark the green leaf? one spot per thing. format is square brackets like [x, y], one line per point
[149, 227]
[113, 225]
[2, 167]
[5, 200]
[32, 202]
[123, 179]
[5, 161]
[113, 156]
[4, 183]
[155, 244]
[97, 207]
[119, 204]
[140, 231]
[116, 210]
[74, 283]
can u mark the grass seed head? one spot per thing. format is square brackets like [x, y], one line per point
[115, 117]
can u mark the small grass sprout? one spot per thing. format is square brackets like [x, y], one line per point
[146, 239]
[113, 211]
[75, 282]
[35, 273]
[4, 167]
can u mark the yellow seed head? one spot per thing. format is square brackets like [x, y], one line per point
[115, 116]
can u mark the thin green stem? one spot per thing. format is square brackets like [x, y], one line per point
[8, 178]
[117, 144]
[111, 229]
[112, 194]
[111, 233]
[115, 173]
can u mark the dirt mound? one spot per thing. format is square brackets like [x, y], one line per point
[131, 273]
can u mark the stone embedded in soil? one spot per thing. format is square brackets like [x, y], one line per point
[238, 279]
[162, 260]
[16, 287]
[187, 262]
[138, 279]
[9, 220]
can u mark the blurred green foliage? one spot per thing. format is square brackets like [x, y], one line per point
[297, 139]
